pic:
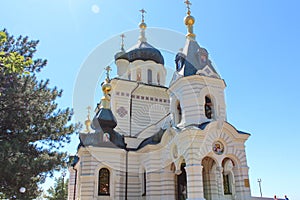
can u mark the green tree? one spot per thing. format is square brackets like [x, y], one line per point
[33, 130]
[59, 191]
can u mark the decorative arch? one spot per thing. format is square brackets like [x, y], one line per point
[209, 176]
[227, 134]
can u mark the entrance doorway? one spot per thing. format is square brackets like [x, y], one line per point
[209, 178]
[182, 183]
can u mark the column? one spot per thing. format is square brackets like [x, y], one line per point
[242, 187]
[168, 183]
[72, 182]
[154, 186]
[219, 177]
[194, 182]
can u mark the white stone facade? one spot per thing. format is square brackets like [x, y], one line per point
[178, 143]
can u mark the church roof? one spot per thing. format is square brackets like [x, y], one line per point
[141, 51]
[203, 125]
[104, 117]
[155, 139]
[193, 59]
[101, 139]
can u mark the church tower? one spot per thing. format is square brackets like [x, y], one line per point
[204, 141]
[149, 141]
[196, 90]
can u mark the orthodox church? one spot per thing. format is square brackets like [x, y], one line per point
[150, 141]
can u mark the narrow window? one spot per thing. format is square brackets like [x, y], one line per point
[144, 183]
[179, 113]
[138, 75]
[226, 184]
[149, 76]
[129, 76]
[208, 108]
[158, 79]
[106, 137]
[103, 187]
[203, 58]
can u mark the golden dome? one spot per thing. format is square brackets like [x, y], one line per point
[143, 25]
[189, 20]
[106, 87]
[87, 123]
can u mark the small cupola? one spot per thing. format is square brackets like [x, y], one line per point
[193, 59]
[104, 117]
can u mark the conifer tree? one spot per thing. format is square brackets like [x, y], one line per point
[33, 129]
[59, 191]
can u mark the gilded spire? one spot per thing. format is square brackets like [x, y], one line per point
[189, 21]
[122, 41]
[143, 26]
[88, 120]
[106, 88]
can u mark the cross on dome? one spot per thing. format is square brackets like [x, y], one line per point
[122, 41]
[143, 11]
[143, 26]
[188, 4]
[189, 21]
[108, 69]
[89, 111]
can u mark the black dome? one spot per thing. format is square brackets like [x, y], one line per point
[143, 51]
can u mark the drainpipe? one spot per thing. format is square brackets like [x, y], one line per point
[126, 149]
[130, 112]
[75, 183]
[126, 173]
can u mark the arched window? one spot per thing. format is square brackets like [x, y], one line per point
[103, 185]
[106, 137]
[129, 76]
[227, 165]
[138, 75]
[178, 113]
[149, 76]
[226, 184]
[208, 107]
[203, 58]
[158, 79]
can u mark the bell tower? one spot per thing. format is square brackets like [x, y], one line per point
[196, 90]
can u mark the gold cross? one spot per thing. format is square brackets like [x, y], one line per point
[188, 4]
[108, 69]
[89, 110]
[143, 11]
[122, 41]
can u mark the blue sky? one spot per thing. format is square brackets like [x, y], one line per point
[254, 45]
